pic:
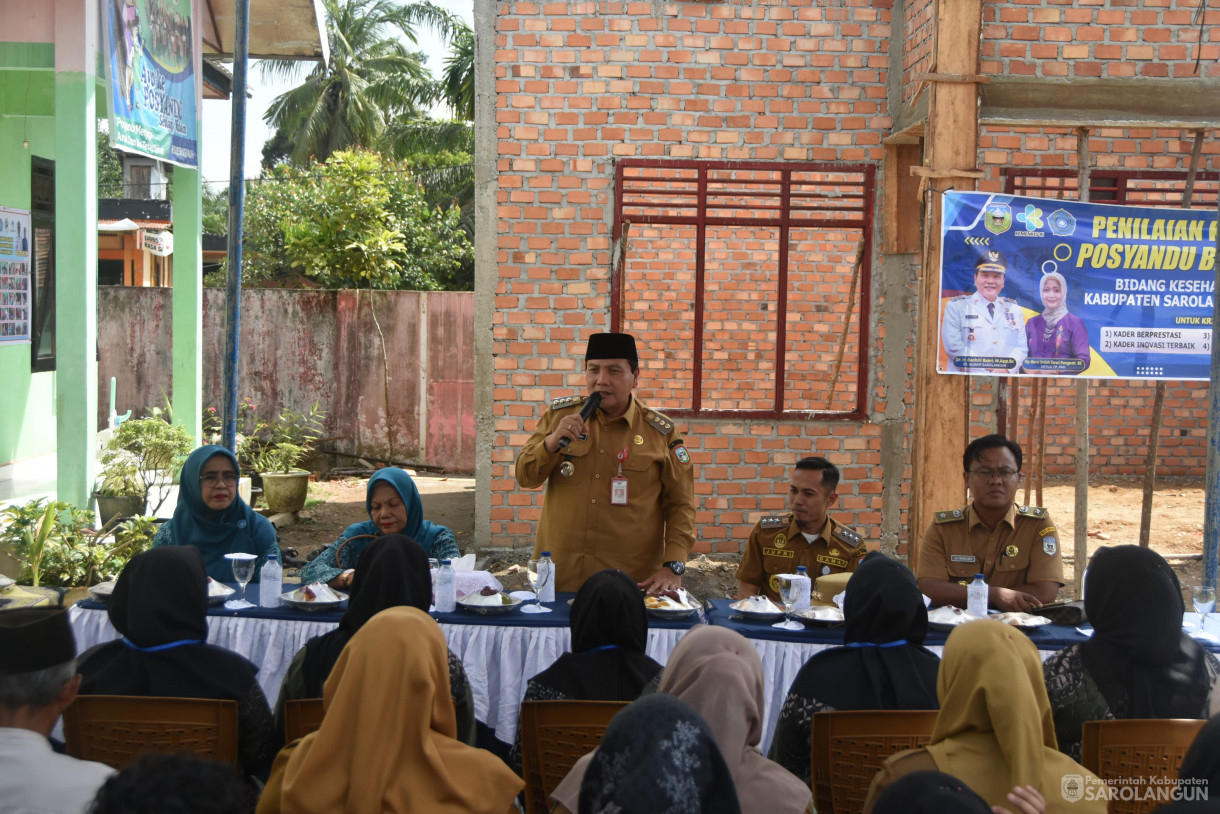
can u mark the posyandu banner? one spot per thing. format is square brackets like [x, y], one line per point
[151, 71]
[1046, 287]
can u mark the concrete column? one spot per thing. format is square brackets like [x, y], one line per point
[76, 33]
[187, 381]
[486, 278]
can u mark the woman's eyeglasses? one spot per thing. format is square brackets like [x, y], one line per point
[212, 479]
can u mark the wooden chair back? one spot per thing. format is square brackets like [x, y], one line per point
[117, 729]
[1136, 751]
[301, 716]
[554, 735]
[849, 747]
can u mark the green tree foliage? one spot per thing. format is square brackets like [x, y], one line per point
[109, 168]
[357, 221]
[372, 78]
[458, 80]
[215, 211]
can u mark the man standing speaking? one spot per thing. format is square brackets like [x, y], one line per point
[619, 482]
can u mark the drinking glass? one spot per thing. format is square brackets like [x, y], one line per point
[531, 573]
[243, 571]
[1205, 602]
[789, 588]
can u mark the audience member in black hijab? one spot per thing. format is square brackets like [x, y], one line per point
[882, 665]
[1138, 663]
[657, 755]
[940, 793]
[607, 663]
[1201, 766]
[392, 571]
[160, 605]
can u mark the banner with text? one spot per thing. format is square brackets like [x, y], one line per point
[14, 276]
[1047, 287]
[151, 72]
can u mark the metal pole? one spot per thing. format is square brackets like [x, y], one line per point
[237, 198]
[1081, 543]
[1211, 505]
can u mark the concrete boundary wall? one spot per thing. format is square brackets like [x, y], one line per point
[298, 347]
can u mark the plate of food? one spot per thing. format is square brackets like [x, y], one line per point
[489, 601]
[947, 617]
[671, 604]
[757, 608]
[1023, 621]
[820, 615]
[318, 596]
[218, 592]
[102, 591]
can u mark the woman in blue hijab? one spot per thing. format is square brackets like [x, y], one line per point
[394, 507]
[213, 518]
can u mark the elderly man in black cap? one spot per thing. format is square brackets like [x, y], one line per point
[38, 681]
[619, 482]
[984, 332]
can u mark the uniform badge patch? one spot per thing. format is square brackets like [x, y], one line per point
[1011, 551]
[780, 539]
[681, 454]
[1049, 546]
[772, 521]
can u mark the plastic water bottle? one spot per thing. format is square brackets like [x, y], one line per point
[976, 597]
[270, 584]
[446, 588]
[546, 578]
[802, 598]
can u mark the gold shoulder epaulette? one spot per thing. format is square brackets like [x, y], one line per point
[566, 401]
[949, 516]
[659, 422]
[1032, 511]
[773, 521]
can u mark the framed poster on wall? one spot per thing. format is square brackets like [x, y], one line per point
[14, 276]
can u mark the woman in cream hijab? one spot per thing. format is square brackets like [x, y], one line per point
[718, 673]
[388, 742]
[994, 731]
[1055, 333]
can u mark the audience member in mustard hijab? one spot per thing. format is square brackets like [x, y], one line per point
[994, 731]
[388, 742]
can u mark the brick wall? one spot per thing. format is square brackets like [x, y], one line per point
[583, 86]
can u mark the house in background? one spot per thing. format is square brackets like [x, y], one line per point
[52, 94]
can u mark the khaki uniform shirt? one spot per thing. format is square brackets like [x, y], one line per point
[776, 546]
[1023, 549]
[584, 532]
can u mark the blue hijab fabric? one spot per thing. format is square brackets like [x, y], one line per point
[418, 529]
[236, 529]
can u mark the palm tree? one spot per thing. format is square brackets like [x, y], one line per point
[458, 81]
[372, 78]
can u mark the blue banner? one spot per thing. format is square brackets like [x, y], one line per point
[1046, 287]
[151, 67]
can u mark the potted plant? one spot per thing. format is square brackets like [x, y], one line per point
[276, 453]
[121, 492]
[138, 462]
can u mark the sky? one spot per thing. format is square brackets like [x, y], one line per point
[217, 117]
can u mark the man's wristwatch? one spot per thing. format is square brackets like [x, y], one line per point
[676, 566]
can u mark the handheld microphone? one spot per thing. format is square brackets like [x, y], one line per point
[586, 410]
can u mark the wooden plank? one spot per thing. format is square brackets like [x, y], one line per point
[900, 234]
[941, 419]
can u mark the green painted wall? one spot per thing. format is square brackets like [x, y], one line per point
[27, 402]
[188, 300]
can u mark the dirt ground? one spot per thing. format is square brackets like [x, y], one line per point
[1114, 519]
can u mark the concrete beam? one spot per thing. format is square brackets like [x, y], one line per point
[486, 277]
[1188, 104]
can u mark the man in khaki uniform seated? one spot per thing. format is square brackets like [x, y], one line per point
[620, 492]
[805, 536]
[1015, 548]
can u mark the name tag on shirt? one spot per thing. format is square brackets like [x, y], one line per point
[961, 558]
[618, 491]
